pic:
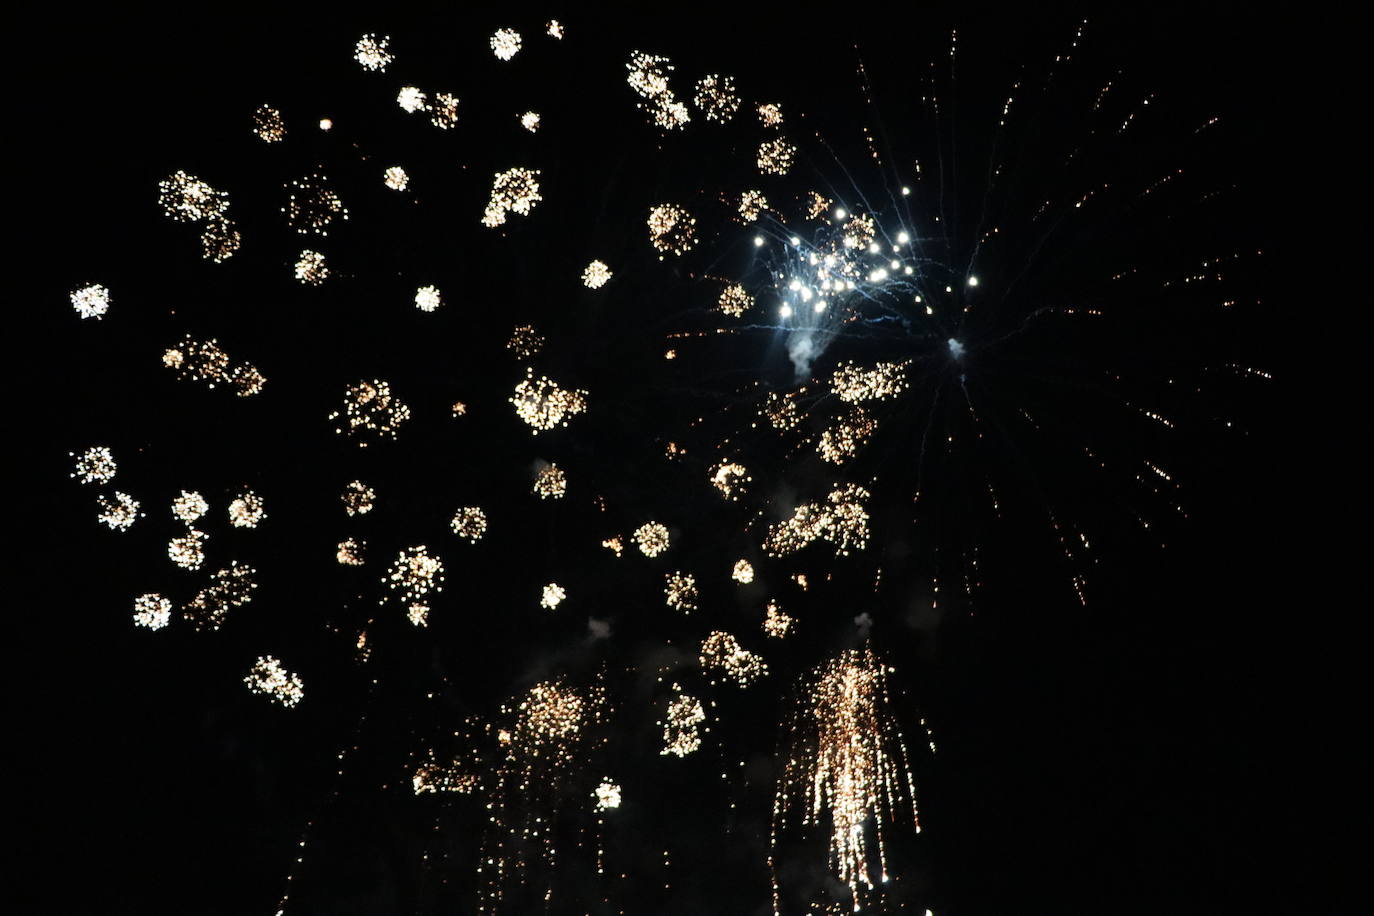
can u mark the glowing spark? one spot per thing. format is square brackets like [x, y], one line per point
[615, 545]
[152, 611]
[269, 678]
[91, 301]
[411, 99]
[651, 538]
[554, 29]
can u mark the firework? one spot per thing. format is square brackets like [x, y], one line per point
[596, 275]
[525, 342]
[432, 777]
[188, 551]
[530, 121]
[614, 544]
[505, 43]
[414, 574]
[351, 552]
[841, 519]
[648, 77]
[751, 204]
[270, 679]
[776, 623]
[782, 411]
[770, 114]
[883, 380]
[118, 512]
[417, 612]
[554, 29]
[512, 191]
[268, 124]
[205, 361]
[672, 230]
[731, 478]
[358, 498]
[681, 726]
[371, 52]
[187, 199]
[91, 301]
[607, 795]
[229, 588]
[246, 510]
[722, 652]
[152, 611]
[742, 572]
[735, 300]
[310, 268]
[443, 111]
[552, 596]
[716, 97]
[817, 205]
[94, 465]
[775, 156]
[542, 404]
[311, 206]
[396, 179]
[189, 506]
[411, 99]
[551, 482]
[846, 764]
[841, 441]
[427, 298]
[370, 412]
[469, 522]
[651, 538]
[680, 591]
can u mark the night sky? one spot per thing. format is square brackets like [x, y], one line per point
[1151, 750]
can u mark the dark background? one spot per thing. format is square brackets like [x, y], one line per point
[1174, 745]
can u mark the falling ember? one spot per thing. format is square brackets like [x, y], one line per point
[358, 498]
[846, 758]
[188, 551]
[722, 652]
[94, 465]
[512, 191]
[91, 301]
[552, 596]
[651, 538]
[310, 268]
[680, 591]
[246, 511]
[370, 412]
[505, 43]
[542, 404]
[743, 572]
[270, 679]
[596, 275]
[551, 482]
[118, 512]
[672, 230]
[428, 299]
[681, 727]
[371, 52]
[152, 611]
[229, 588]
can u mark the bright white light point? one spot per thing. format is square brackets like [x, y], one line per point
[325, 124]
[956, 349]
[794, 285]
[820, 306]
[908, 270]
[428, 298]
[796, 242]
[91, 301]
[758, 241]
[530, 121]
[917, 299]
[949, 289]
[839, 213]
[972, 281]
[903, 238]
[785, 311]
[929, 310]
[906, 192]
[873, 248]
[895, 264]
[805, 294]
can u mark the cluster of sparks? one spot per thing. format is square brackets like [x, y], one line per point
[371, 52]
[118, 511]
[672, 230]
[412, 576]
[268, 124]
[651, 538]
[370, 412]
[648, 77]
[682, 724]
[187, 199]
[246, 510]
[312, 206]
[776, 622]
[229, 588]
[722, 652]
[469, 523]
[543, 404]
[95, 465]
[205, 361]
[525, 341]
[505, 44]
[311, 268]
[596, 275]
[680, 591]
[552, 596]
[730, 478]
[152, 611]
[716, 97]
[358, 498]
[551, 482]
[270, 679]
[512, 191]
[91, 301]
[428, 298]
[846, 766]
[841, 520]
